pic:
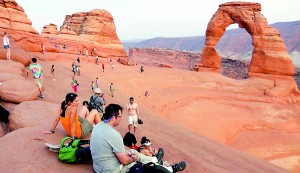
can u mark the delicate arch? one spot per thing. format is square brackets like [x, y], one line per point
[269, 55]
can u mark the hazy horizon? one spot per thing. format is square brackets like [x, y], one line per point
[141, 19]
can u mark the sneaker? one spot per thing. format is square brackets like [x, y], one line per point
[160, 155]
[41, 96]
[179, 166]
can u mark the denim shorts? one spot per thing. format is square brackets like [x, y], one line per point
[6, 46]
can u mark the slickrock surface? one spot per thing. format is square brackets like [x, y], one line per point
[179, 117]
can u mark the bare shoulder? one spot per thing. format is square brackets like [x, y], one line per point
[71, 110]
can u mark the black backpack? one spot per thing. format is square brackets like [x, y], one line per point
[147, 168]
[129, 139]
[92, 104]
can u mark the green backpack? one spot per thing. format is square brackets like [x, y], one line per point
[67, 152]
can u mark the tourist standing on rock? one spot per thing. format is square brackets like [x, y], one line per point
[76, 126]
[97, 82]
[36, 70]
[6, 46]
[93, 86]
[133, 115]
[78, 60]
[97, 60]
[43, 49]
[74, 84]
[52, 72]
[74, 68]
[97, 101]
[112, 89]
[103, 67]
[108, 150]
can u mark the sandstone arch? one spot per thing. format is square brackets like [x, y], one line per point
[269, 54]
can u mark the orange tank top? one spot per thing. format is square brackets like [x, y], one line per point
[65, 121]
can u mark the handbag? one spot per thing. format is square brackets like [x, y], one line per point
[140, 121]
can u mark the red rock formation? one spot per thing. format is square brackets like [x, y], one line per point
[269, 54]
[164, 57]
[49, 29]
[14, 21]
[97, 26]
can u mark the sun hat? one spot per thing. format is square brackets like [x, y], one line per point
[145, 141]
[98, 91]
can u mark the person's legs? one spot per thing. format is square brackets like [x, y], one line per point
[83, 112]
[38, 82]
[86, 127]
[130, 122]
[129, 127]
[75, 88]
[8, 54]
[134, 123]
[93, 117]
[125, 168]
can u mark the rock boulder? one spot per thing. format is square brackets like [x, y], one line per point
[44, 113]
[18, 91]
[11, 67]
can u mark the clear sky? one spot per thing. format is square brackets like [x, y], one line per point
[143, 19]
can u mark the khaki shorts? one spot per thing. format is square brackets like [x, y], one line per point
[100, 115]
[86, 127]
[39, 82]
[133, 119]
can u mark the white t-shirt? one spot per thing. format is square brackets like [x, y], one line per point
[5, 40]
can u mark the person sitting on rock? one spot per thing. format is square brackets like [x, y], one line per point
[76, 126]
[147, 94]
[84, 110]
[146, 148]
[108, 150]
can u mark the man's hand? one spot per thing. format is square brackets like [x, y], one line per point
[134, 157]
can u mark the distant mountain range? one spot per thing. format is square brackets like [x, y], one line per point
[235, 43]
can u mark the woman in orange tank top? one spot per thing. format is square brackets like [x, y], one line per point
[76, 126]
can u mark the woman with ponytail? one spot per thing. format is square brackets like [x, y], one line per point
[76, 126]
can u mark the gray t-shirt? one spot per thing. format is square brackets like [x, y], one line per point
[105, 142]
